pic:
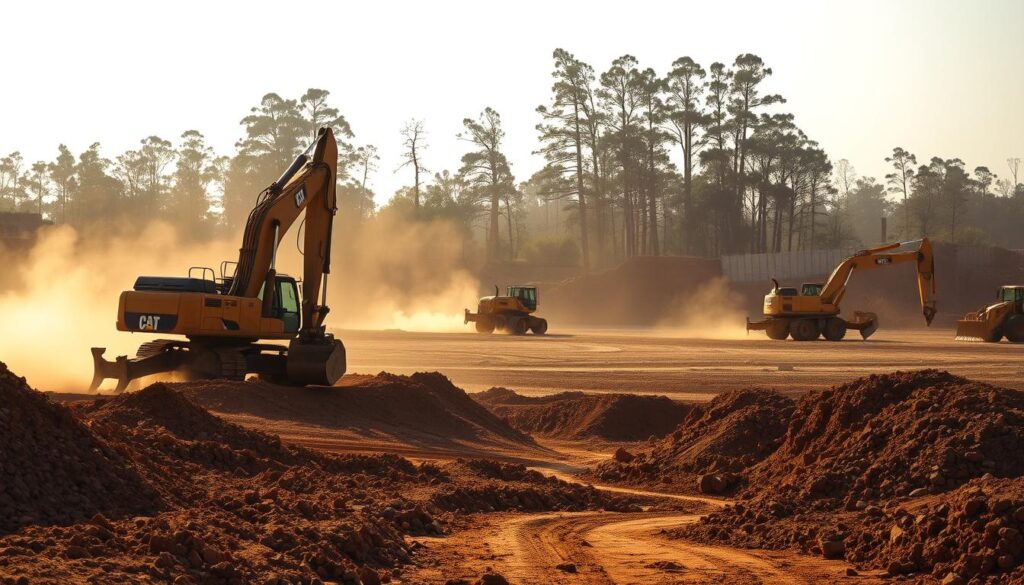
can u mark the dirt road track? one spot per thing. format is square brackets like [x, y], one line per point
[611, 548]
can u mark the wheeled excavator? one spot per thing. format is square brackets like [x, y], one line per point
[511, 312]
[813, 310]
[1003, 318]
[224, 321]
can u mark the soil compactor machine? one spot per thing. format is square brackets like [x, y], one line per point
[224, 320]
[511, 312]
[813, 311]
[1004, 318]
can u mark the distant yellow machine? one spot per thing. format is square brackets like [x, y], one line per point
[813, 311]
[1004, 318]
[511, 312]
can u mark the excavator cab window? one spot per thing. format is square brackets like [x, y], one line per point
[527, 295]
[811, 290]
[787, 291]
[1015, 294]
[286, 303]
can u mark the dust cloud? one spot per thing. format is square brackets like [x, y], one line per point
[713, 311]
[397, 273]
[61, 296]
[64, 295]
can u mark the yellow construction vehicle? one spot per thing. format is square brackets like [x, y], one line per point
[813, 311]
[511, 312]
[224, 319]
[1004, 318]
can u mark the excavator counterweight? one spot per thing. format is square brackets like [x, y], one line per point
[224, 319]
[812, 311]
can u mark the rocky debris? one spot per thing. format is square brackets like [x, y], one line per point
[54, 470]
[912, 473]
[566, 567]
[577, 415]
[623, 456]
[712, 447]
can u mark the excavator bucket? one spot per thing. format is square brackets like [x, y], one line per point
[974, 330]
[865, 322]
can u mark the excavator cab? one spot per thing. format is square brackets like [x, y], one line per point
[286, 303]
[526, 295]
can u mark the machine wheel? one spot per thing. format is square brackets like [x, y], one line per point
[1013, 328]
[835, 329]
[539, 327]
[777, 329]
[517, 326]
[484, 325]
[804, 330]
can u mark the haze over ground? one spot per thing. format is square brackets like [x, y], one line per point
[936, 77]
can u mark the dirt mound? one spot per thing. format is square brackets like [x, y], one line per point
[575, 415]
[640, 291]
[54, 471]
[889, 435]
[895, 471]
[425, 408]
[514, 487]
[733, 432]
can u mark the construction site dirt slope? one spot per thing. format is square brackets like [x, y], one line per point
[712, 448]
[149, 487]
[639, 292]
[578, 415]
[425, 408]
[911, 472]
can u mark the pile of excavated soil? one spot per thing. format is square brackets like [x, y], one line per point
[915, 472]
[713, 447]
[218, 503]
[576, 415]
[53, 470]
[641, 291]
[425, 408]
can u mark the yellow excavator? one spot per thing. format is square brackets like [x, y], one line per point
[511, 312]
[224, 319]
[1004, 318]
[813, 311]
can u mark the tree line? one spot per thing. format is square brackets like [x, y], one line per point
[694, 160]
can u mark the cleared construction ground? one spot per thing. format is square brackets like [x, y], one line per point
[653, 362]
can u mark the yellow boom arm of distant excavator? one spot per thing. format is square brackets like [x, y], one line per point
[919, 251]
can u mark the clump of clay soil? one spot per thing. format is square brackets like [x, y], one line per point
[713, 447]
[898, 472]
[576, 415]
[53, 470]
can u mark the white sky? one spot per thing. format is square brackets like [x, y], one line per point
[939, 77]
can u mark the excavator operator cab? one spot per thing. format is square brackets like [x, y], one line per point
[526, 295]
[286, 302]
[1011, 293]
[811, 289]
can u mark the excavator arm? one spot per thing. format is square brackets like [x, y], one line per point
[309, 184]
[919, 251]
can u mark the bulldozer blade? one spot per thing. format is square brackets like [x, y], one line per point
[103, 369]
[124, 370]
[971, 330]
[865, 322]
